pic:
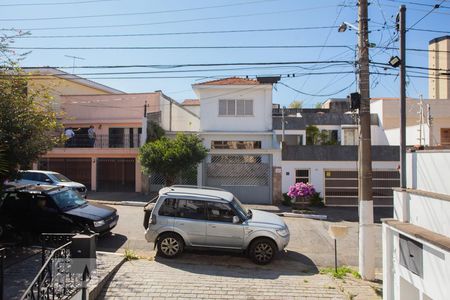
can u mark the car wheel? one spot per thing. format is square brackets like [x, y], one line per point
[262, 251]
[170, 245]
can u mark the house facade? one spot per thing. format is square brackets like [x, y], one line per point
[416, 241]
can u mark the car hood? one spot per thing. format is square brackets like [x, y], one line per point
[71, 184]
[262, 218]
[93, 212]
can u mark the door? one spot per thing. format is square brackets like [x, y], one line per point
[220, 229]
[191, 219]
[76, 169]
[116, 175]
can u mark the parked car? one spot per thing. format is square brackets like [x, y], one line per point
[188, 216]
[46, 208]
[48, 178]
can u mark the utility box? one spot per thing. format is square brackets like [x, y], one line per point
[83, 253]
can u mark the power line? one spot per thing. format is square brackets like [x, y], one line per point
[54, 3]
[174, 33]
[417, 3]
[314, 95]
[134, 13]
[430, 30]
[436, 6]
[179, 47]
[178, 21]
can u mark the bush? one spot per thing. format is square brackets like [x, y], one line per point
[316, 200]
[287, 201]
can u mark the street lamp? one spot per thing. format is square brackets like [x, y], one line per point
[343, 27]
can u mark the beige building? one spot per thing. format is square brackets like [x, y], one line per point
[439, 58]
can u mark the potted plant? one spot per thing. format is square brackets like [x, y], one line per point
[300, 194]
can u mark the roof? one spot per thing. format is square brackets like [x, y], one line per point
[232, 81]
[206, 192]
[34, 188]
[40, 171]
[72, 77]
[191, 102]
[439, 39]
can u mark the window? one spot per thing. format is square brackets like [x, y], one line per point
[445, 136]
[168, 208]
[235, 144]
[191, 209]
[302, 176]
[41, 177]
[235, 107]
[220, 212]
[350, 136]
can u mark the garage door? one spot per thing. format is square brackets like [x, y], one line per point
[248, 177]
[77, 169]
[116, 174]
[341, 187]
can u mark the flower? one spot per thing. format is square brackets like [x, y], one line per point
[301, 189]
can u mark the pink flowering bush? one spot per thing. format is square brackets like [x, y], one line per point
[301, 189]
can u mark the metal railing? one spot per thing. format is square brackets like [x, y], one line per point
[104, 141]
[55, 279]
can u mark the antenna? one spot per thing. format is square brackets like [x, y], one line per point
[74, 58]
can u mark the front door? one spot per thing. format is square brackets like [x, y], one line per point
[220, 230]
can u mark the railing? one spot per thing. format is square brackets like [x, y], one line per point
[55, 279]
[2, 257]
[104, 141]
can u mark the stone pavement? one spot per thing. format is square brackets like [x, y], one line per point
[191, 278]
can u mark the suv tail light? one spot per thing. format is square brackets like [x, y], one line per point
[153, 220]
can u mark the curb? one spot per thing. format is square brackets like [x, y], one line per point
[124, 203]
[95, 291]
[306, 216]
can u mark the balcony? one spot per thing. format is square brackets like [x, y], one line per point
[104, 141]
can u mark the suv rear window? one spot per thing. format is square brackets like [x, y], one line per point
[168, 208]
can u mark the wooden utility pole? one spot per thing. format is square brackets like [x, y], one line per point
[366, 226]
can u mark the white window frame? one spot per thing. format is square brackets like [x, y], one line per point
[228, 105]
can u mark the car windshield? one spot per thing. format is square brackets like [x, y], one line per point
[59, 177]
[68, 199]
[245, 213]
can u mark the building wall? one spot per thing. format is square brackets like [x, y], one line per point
[193, 108]
[209, 108]
[266, 139]
[412, 135]
[439, 88]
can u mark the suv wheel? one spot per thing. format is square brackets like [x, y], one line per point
[262, 251]
[170, 245]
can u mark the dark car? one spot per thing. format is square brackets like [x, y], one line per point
[43, 208]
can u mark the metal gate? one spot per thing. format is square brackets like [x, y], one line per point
[116, 175]
[248, 177]
[77, 169]
[341, 187]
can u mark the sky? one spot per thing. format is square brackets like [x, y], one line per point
[293, 32]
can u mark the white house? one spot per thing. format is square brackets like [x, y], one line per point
[416, 242]
[236, 125]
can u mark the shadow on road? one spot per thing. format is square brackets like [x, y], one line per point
[236, 264]
[111, 242]
[350, 214]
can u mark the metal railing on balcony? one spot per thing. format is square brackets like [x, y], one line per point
[104, 141]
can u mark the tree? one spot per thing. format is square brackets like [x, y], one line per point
[28, 123]
[315, 136]
[318, 105]
[296, 104]
[154, 131]
[171, 157]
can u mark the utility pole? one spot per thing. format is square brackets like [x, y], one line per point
[402, 31]
[282, 124]
[366, 226]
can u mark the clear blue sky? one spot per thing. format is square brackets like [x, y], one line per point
[178, 16]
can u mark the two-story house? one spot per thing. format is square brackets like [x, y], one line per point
[236, 125]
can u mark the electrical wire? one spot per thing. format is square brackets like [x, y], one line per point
[53, 3]
[316, 95]
[436, 6]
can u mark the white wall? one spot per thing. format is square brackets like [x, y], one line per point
[209, 108]
[412, 135]
[316, 170]
[193, 108]
[429, 171]
[181, 119]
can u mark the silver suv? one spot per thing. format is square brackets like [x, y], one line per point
[189, 216]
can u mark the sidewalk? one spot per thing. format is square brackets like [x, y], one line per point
[181, 279]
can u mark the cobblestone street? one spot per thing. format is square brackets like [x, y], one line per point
[190, 277]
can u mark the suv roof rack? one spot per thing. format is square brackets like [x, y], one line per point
[187, 186]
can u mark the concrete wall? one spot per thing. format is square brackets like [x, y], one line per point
[266, 139]
[209, 108]
[412, 135]
[316, 170]
[429, 171]
[439, 88]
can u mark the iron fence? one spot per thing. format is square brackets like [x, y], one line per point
[157, 181]
[104, 141]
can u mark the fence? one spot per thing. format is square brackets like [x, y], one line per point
[104, 141]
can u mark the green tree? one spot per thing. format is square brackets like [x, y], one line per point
[154, 131]
[296, 104]
[318, 105]
[171, 157]
[28, 123]
[314, 136]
